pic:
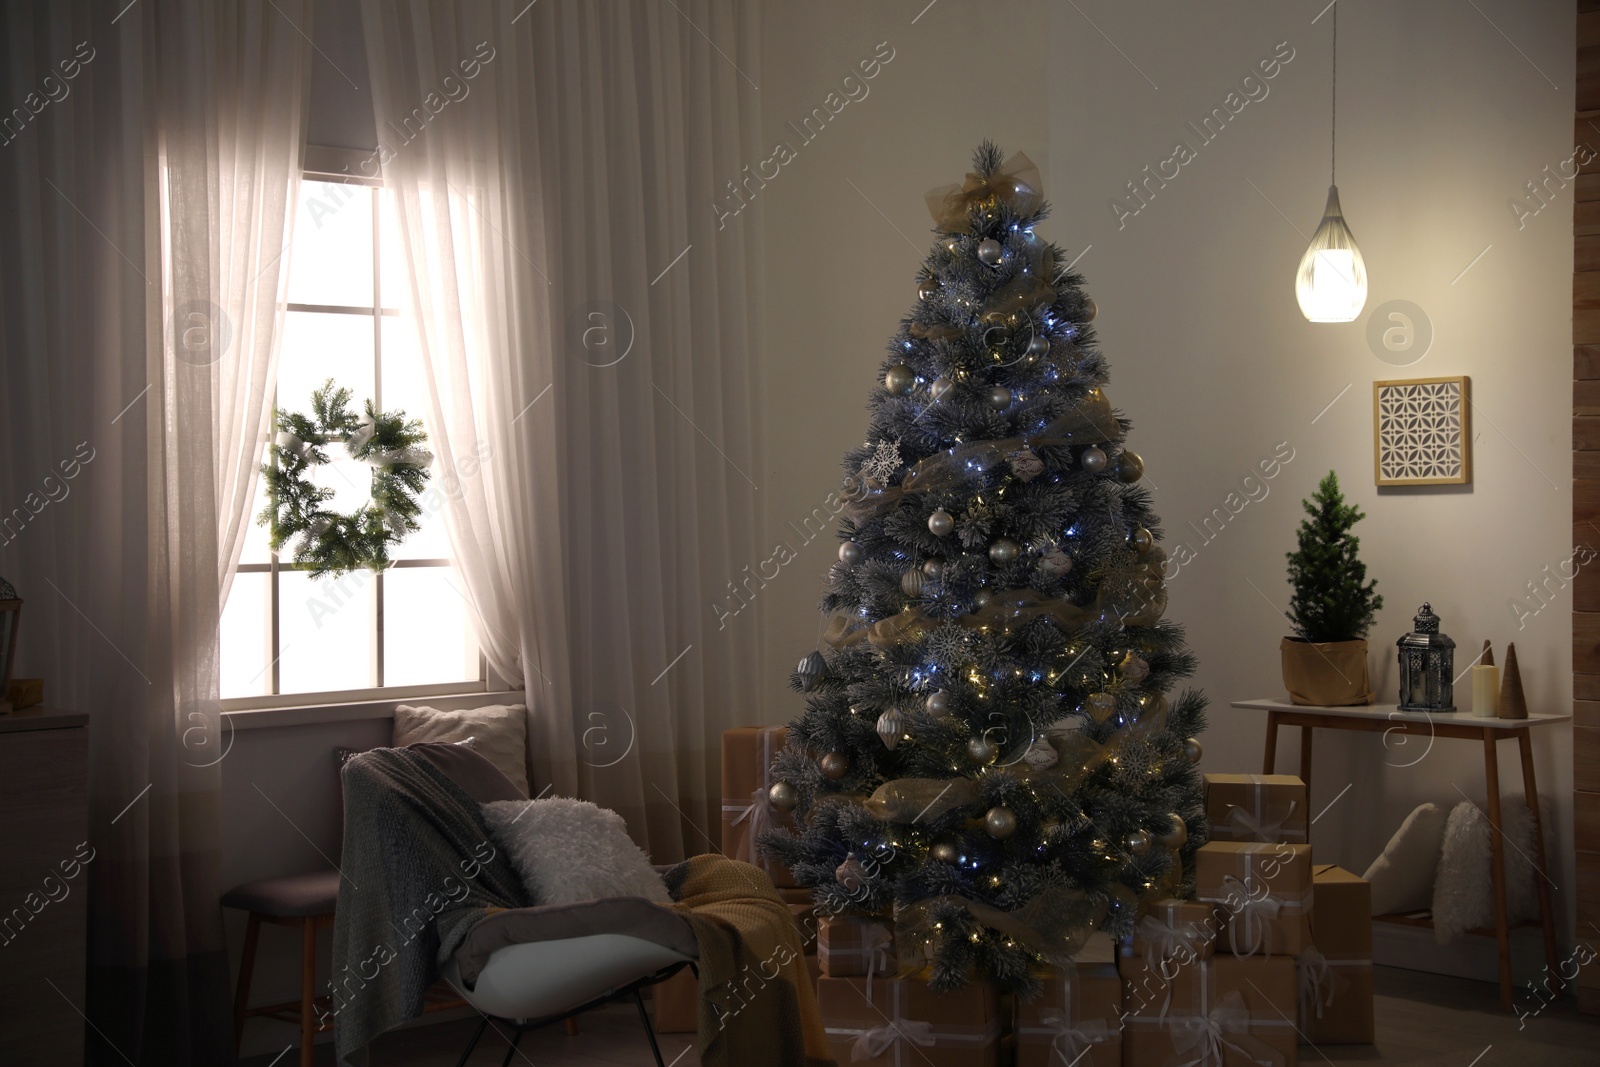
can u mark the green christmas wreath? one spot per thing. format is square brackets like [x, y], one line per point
[330, 543]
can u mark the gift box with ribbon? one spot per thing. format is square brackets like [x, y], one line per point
[1262, 894]
[1336, 971]
[851, 947]
[805, 917]
[903, 1023]
[747, 811]
[1222, 1012]
[1256, 807]
[1077, 1020]
[1173, 930]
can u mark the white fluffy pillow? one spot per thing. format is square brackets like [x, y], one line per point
[570, 850]
[1463, 890]
[500, 731]
[1402, 878]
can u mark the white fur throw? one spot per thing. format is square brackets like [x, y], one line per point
[1463, 888]
[570, 850]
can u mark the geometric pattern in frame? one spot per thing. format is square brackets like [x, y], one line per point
[1421, 431]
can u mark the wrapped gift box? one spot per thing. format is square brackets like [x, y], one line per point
[1078, 1019]
[1262, 893]
[747, 754]
[1221, 1012]
[852, 947]
[805, 918]
[1175, 931]
[1256, 807]
[900, 1022]
[1336, 972]
[676, 1004]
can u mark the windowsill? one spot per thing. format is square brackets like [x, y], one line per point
[318, 714]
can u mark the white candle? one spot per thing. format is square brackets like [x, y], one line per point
[1485, 689]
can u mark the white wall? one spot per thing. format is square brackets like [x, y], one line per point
[1441, 120]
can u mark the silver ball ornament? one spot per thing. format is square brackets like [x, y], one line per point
[1193, 749]
[982, 751]
[911, 583]
[1139, 842]
[834, 765]
[784, 796]
[899, 379]
[1038, 345]
[999, 398]
[1094, 459]
[933, 569]
[1130, 466]
[850, 553]
[938, 702]
[1177, 834]
[982, 597]
[1141, 539]
[1000, 822]
[1004, 551]
[989, 252]
[941, 388]
[927, 288]
[940, 523]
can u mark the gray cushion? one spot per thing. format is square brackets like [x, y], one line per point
[630, 916]
[477, 776]
[292, 896]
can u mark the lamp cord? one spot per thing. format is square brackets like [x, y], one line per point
[1333, 132]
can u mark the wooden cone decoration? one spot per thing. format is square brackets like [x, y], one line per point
[1487, 659]
[1513, 703]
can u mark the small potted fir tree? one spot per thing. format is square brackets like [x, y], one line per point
[1325, 663]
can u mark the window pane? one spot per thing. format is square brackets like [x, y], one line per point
[331, 261]
[405, 389]
[319, 345]
[392, 255]
[256, 539]
[427, 628]
[328, 630]
[246, 637]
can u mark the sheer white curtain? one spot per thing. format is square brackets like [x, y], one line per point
[145, 209]
[589, 329]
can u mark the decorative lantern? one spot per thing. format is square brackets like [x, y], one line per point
[10, 616]
[1427, 666]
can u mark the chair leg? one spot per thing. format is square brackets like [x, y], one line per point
[516, 1035]
[247, 963]
[482, 1026]
[308, 989]
[649, 1031]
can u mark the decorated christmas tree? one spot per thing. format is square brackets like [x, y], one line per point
[988, 753]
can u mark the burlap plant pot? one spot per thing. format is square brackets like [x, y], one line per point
[1327, 674]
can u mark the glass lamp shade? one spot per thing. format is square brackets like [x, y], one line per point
[1332, 282]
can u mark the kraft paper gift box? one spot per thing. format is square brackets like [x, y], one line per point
[1256, 807]
[1336, 971]
[1221, 1012]
[805, 919]
[851, 947]
[903, 1023]
[1076, 1021]
[1173, 929]
[1262, 893]
[747, 754]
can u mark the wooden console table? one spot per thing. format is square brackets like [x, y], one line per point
[1386, 718]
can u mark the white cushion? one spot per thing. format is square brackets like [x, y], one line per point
[499, 730]
[1402, 878]
[1463, 890]
[570, 850]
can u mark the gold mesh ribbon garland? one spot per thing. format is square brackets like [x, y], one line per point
[1015, 184]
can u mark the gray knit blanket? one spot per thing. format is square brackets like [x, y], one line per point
[420, 870]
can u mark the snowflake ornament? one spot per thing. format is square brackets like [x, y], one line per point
[947, 646]
[884, 463]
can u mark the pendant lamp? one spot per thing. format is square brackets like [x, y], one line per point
[1331, 284]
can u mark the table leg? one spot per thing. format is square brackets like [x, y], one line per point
[1305, 758]
[1271, 759]
[1497, 868]
[1530, 792]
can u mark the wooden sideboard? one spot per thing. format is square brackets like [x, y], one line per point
[45, 856]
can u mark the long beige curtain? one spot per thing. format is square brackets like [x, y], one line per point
[144, 216]
[590, 330]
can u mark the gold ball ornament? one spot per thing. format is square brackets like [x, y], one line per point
[1100, 706]
[1090, 310]
[1193, 749]
[850, 553]
[989, 252]
[940, 523]
[982, 751]
[891, 725]
[1142, 540]
[1093, 459]
[784, 796]
[834, 765]
[927, 288]
[1000, 822]
[1139, 842]
[941, 388]
[1130, 466]
[1177, 835]
[899, 379]
[1004, 551]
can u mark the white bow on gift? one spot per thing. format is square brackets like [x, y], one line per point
[1316, 985]
[759, 812]
[1254, 916]
[876, 944]
[1069, 1042]
[880, 1039]
[1164, 939]
[1203, 1040]
[1249, 825]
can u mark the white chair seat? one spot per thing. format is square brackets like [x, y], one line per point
[541, 979]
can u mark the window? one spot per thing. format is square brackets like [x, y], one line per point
[408, 628]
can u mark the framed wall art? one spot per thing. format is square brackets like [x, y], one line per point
[1422, 431]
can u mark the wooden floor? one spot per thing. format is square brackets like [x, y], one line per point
[1423, 1019]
